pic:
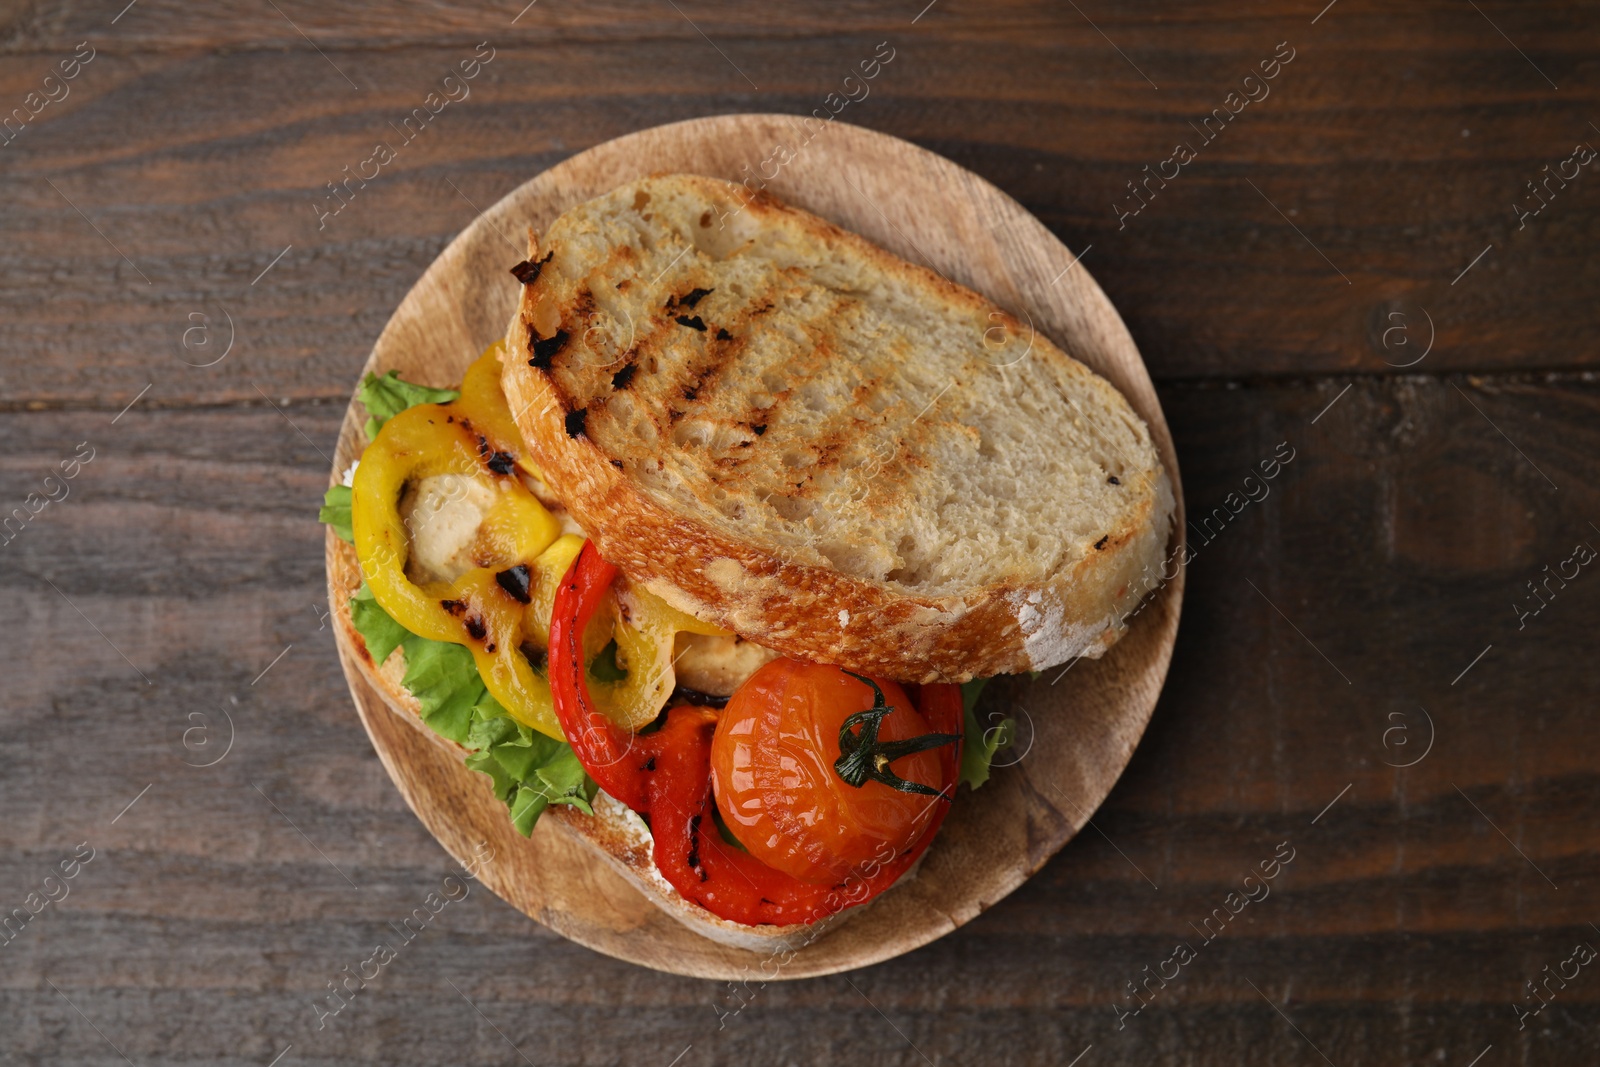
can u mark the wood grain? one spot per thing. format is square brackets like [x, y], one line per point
[1405, 924]
[1360, 144]
[1397, 540]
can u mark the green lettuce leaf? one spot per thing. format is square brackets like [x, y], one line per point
[444, 679]
[562, 780]
[335, 511]
[517, 750]
[529, 771]
[505, 787]
[381, 633]
[388, 396]
[526, 805]
[980, 744]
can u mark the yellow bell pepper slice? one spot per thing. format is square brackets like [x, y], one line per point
[490, 610]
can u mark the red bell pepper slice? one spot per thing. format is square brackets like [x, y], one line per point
[666, 776]
[612, 756]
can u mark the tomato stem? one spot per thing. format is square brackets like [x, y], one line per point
[863, 758]
[665, 776]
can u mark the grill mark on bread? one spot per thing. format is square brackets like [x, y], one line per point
[691, 298]
[831, 345]
[576, 317]
[545, 349]
[709, 374]
[527, 272]
[692, 394]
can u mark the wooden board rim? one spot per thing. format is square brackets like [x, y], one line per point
[1073, 311]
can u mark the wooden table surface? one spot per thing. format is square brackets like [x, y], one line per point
[1354, 270]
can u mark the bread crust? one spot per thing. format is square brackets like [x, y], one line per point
[768, 593]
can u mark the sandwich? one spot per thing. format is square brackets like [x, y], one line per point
[708, 558]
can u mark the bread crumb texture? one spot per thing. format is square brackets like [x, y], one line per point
[785, 386]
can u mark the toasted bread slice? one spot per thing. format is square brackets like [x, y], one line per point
[616, 835]
[777, 426]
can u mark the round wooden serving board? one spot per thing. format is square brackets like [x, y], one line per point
[1075, 736]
